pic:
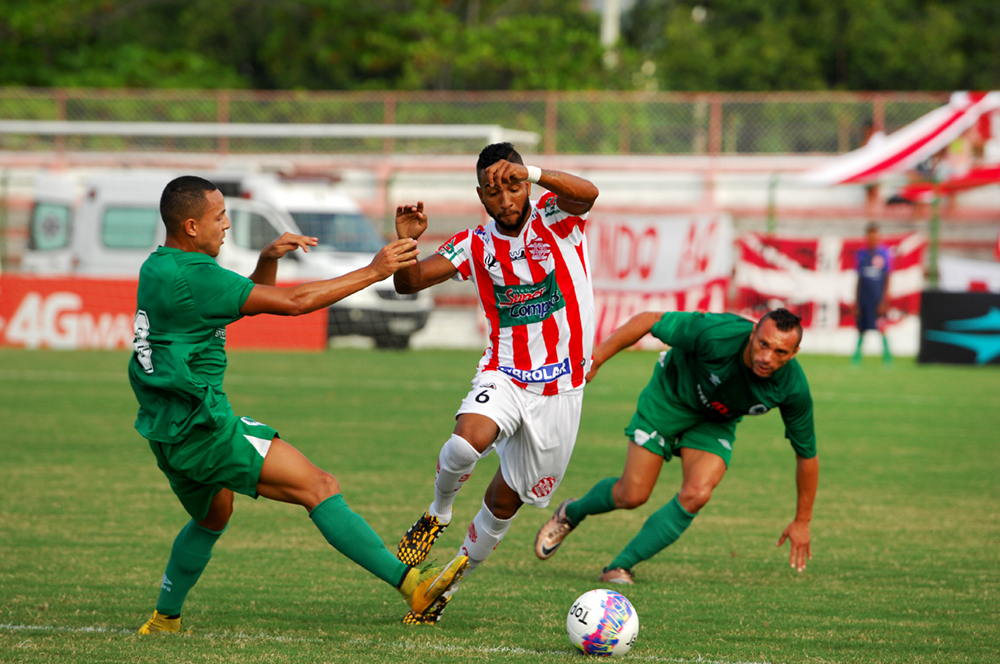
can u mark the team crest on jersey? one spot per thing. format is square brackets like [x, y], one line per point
[539, 249]
[528, 303]
[449, 250]
[544, 487]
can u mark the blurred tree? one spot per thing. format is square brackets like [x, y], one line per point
[804, 44]
[501, 44]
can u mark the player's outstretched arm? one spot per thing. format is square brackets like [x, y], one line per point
[624, 337]
[306, 298]
[574, 194]
[411, 222]
[266, 272]
[797, 532]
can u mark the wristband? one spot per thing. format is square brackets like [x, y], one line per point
[534, 174]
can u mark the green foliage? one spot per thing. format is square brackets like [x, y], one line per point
[815, 45]
[500, 45]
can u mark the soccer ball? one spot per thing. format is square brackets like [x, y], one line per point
[602, 622]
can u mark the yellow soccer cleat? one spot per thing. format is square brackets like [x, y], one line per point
[428, 617]
[160, 623]
[422, 587]
[419, 539]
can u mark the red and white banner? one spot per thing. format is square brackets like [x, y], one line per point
[905, 148]
[655, 263]
[816, 279]
[73, 313]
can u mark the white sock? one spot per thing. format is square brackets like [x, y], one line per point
[485, 534]
[455, 464]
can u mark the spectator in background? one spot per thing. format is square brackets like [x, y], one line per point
[873, 264]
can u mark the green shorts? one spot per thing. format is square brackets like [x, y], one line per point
[230, 457]
[683, 428]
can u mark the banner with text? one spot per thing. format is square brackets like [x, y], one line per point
[658, 263]
[816, 279]
[73, 313]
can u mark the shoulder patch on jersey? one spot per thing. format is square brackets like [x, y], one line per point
[450, 251]
[550, 208]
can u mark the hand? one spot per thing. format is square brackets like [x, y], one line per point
[395, 256]
[797, 533]
[504, 172]
[853, 309]
[287, 242]
[411, 221]
[592, 374]
[883, 307]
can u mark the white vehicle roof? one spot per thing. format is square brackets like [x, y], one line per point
[300, 195]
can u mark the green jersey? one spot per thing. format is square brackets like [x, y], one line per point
[704, 372]
[183, 304]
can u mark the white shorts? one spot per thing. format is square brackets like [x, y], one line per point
[537, 433]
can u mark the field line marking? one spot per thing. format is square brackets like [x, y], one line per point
[111, 630]
[404, 645]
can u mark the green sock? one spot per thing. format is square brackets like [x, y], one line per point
[857, 352]
[350, 534]
[661, 530]
[190, 554]
[886, 355]
[597, 501]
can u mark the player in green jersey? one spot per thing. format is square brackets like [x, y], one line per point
[720, 368]
[183, 303]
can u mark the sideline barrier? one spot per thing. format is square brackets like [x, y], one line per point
[960, 328]
[76, 313]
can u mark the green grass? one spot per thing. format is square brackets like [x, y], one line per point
[906, 532]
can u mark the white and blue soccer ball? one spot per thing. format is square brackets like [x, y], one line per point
[602, 622]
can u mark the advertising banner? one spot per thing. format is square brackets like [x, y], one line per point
[70, 313]
[816, 279]
[960, 328]
[656, 263]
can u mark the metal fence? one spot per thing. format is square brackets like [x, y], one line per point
[572, 123]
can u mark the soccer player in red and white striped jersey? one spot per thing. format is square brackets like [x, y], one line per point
[531, 271]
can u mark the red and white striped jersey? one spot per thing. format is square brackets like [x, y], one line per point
[536, 292]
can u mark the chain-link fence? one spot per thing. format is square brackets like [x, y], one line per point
[573, 123]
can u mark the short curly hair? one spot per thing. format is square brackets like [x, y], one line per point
[493, 153]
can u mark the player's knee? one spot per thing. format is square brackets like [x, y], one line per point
[323, 486]
[629, 496]
[694, 497]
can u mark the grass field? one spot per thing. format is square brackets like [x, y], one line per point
[906, 535]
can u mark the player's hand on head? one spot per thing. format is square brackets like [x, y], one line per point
[504, 172]
[288, 242]
[797, 534]
[395, 256]
[411, 221]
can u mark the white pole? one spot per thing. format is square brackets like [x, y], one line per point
[610, 23]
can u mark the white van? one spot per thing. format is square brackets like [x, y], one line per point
[111, 223]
